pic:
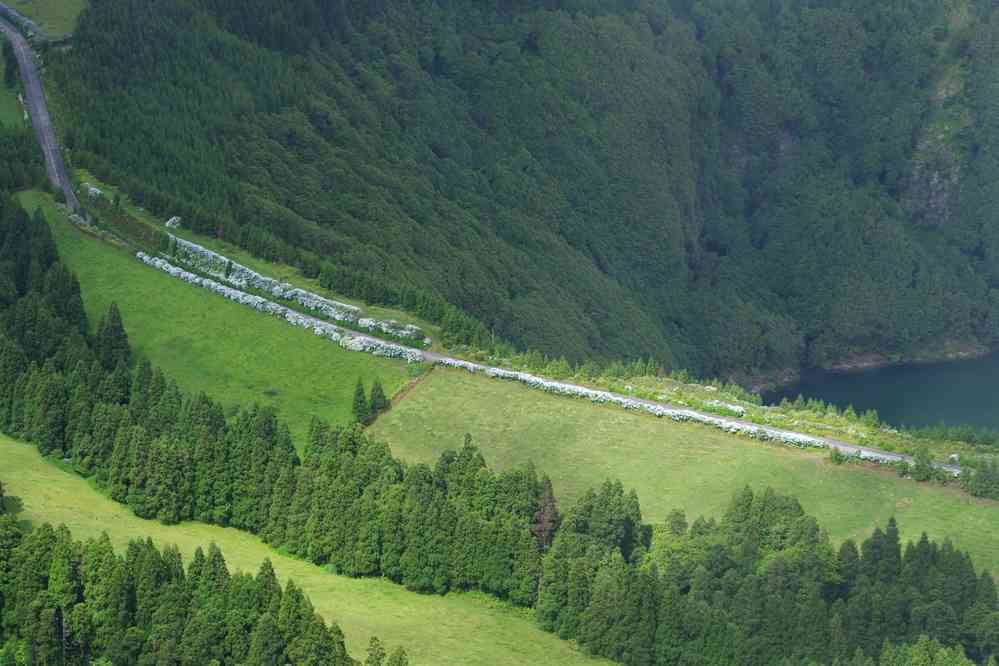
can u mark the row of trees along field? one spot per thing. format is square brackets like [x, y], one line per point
[762, 585]
[68, 602]
[722, 186]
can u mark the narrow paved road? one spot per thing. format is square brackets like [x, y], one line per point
[38, 110]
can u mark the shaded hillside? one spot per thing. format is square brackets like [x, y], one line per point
[715, 184]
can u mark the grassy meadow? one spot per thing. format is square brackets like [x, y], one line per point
[457, 629]
[671, 465]
[207, 343]
[240, 356]
[57, 18]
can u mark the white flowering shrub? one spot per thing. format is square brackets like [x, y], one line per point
[346, 339]
[361, 343]
[241, 277]
[759, 432]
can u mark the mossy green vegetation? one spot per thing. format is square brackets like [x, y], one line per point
[579, 445]
[455, 629]
[593, 179]
[57, 18]
[209, 344]
[11, 112]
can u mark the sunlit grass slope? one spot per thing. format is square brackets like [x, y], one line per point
[452, 630]
[209, 344]
[671, 465]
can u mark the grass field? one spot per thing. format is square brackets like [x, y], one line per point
[207, 343]
[671, 465]
[456, 629]
[57, 18]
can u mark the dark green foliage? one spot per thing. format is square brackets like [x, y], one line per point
[360, 408]
[67, 602]
[10, 73]
[377, 403]
[547, 518]
[763, 586]
[719, 185]
[983, 481]
[111, 344]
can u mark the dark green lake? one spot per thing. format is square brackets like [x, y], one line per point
[956, 392]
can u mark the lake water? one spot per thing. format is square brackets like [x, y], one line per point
[955, 392]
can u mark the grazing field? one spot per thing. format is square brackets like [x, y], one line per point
[671, 465]
[207, 343]
[57, 18]
[455, 629]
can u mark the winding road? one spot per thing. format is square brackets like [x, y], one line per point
[38, 110]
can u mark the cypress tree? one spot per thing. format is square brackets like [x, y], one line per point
[547, 518]
[10, 65]
[266, 644]
[283, 495]
[378, 403]
[398, 658]
[360, 408]
[376, 653]
[111, 344]
[317, 645]
[268, 589]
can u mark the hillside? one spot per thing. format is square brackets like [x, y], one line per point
[577, 443]
[670, 465]
[764, 578]
[731, 188]
[210, 345]
[349, 505]
[457, 629]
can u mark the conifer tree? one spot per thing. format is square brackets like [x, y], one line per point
[547, 518]
[398, 658]
[266, 644]
[360, 408]
[376, 653]
[378, 403]
[111, 343]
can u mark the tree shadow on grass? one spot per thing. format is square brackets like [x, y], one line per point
[12, 505]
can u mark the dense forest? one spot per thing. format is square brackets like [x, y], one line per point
[761, 585]
[67, 602]
[725, 186]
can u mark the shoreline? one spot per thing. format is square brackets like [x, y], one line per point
[860, 363]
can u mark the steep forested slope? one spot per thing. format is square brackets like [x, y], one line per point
[725, 186]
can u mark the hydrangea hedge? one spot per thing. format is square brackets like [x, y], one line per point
[355, 342]
[219, 266]
[324, 329]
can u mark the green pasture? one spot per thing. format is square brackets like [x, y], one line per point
[696, 468]
[457, 629]
[207, 343]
